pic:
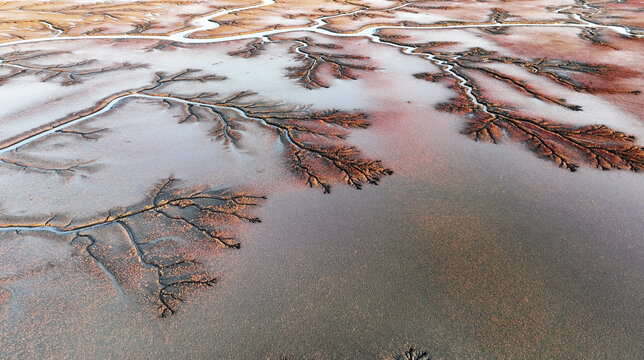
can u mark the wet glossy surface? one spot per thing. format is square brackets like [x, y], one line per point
[141, 146]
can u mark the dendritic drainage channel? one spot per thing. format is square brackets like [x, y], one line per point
[314, 146]
[567, 146]
[194, 222]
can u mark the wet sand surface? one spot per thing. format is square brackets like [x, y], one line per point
[199, 180]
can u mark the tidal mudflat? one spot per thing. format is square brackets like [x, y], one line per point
[321, 179]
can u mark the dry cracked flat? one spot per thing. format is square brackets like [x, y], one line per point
[179, 179]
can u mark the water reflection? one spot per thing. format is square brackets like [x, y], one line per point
[470, 250]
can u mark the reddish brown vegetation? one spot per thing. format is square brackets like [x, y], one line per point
[566, 145]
